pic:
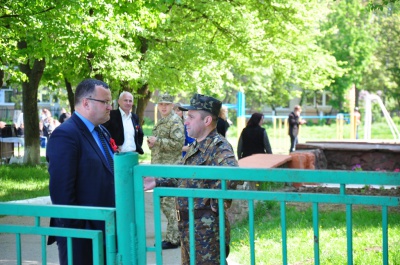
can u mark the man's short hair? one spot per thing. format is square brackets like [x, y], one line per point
[204, 113]
[86, 89]
[124, 93]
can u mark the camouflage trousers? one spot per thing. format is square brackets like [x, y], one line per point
[206, 232]
[168, 207]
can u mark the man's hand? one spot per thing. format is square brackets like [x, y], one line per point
[149, 183]
[185, 148]
[151, 141]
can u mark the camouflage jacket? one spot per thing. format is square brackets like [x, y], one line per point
[170, 140]
[215, 150]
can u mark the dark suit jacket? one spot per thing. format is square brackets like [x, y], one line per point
[79, 175]
[116, 129]
[293, 124]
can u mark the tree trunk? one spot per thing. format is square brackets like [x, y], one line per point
[357, 94]
[71, 96]
[1, 77]
[144, 98]
[144, 94]
[30, 107]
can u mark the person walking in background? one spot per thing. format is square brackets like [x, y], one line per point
[47, 124]
[294, 126]
[80, 157]
[166, 148]
[254, 138]
[44, 114]
[209, 149]
[124, 126]
[19, 125]
[223, 122]
[357, 119]
[188, 140]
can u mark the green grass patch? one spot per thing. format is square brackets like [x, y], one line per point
[367, 236]
[19, 182]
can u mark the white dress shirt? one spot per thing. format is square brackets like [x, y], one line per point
[129, 133]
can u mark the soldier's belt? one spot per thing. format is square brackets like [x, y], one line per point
[199, 213]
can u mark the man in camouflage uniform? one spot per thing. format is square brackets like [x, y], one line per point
[209, 149]
[166, 148]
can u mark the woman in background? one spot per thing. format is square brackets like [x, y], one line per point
[223, 123]
[254, 138]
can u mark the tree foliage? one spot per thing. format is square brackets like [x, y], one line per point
[349, 38]
[383, 74]
[271, 50]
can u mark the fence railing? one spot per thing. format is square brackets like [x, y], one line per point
[130, 206]
[38, 212]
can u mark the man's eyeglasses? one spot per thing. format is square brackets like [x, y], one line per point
[105, 102]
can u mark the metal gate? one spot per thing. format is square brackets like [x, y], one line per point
[126, 224]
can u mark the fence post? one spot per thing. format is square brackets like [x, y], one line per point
[339, 126]
[125, 207]
[241, 113]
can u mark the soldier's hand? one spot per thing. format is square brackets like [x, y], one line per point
[151, 140]
[149, 183]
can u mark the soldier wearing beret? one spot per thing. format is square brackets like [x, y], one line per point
[166, 148]
[209, 149]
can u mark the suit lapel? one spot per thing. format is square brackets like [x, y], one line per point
[134, 124]
[90, 139]
[119, 120]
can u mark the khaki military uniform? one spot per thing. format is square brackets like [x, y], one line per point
[168, 150]
[214, 150]
[170, 140]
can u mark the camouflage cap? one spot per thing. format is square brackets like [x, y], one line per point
[201, 102]
[165, 98]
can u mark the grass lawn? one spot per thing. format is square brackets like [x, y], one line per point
[367, 236]
[20, 182]
[23, 182]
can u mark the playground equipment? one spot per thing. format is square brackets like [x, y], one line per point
[339, 126]
[369, 98]
[280, 123]
[241, 112]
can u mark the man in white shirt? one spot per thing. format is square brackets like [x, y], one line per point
[124, 126]
[19, 125]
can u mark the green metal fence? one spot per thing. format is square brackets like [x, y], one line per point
[272, 175]
[130, 206]
[37, 212]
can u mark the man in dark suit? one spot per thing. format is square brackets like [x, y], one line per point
[294, 126]
[124, 126]
[80, 159]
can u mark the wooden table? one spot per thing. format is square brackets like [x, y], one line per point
[7, 147]
[265, 161]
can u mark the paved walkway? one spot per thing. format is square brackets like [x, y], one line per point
[31, 244]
